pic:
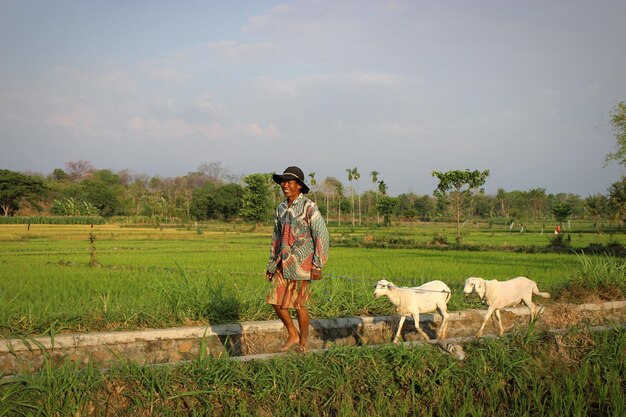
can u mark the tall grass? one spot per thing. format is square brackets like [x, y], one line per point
[576, 374]
[602, 276]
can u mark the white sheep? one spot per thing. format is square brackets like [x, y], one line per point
[412, 301]
[499, 294]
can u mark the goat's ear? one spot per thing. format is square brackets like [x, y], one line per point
[481, 287]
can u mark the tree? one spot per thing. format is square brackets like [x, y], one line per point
[215, 172]
[332, 186]
[374, 175]
[618, 122]
[59, 175]
[617, 199]
[103, 189]
[351, 173]
[538, 198]
[339, 191]
[424, 207]
[596, 206]
[561, 211]
[501, 198]
[17, 188]
[255, 204]
[386, 206]
[382, 187]
[458, 186]
[216, 201]
[79, 170]
[357, 175]
[228, 200]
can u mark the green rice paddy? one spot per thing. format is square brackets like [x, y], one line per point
[53, 279]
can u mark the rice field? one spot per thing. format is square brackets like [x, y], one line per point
[54, 279]
[73, 278]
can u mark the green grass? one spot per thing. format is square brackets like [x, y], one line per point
[174, 276]
[525, 374]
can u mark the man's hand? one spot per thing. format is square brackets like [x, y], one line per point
[316, 274]
[269, 276]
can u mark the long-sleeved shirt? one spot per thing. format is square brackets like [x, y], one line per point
[300, 240]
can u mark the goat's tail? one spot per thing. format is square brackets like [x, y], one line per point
[539, 293]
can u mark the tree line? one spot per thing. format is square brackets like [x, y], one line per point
[212, 193]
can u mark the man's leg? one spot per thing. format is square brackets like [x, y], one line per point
[285, 317]
[303, 322]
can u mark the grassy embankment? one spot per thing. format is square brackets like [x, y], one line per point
[523, 374]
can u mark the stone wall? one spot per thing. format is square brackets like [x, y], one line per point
[256, 338]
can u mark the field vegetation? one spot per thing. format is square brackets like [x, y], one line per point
[75, 278]
[524, 374]
[79, 277]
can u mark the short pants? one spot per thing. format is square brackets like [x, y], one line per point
[288, 293]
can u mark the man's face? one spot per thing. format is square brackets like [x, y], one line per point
[291, 188]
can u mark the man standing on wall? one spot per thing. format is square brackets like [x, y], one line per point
[298, 253]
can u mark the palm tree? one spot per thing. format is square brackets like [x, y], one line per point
[382, 187]
[339, 190]
[538, 200]
[374, 175]
[357, 175]
[501, 197]
[350, 178]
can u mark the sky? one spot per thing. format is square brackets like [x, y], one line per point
[524, 89]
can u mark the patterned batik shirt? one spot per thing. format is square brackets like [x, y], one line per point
[300, 240]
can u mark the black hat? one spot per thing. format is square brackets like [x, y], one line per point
[292, 173]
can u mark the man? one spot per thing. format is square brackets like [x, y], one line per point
[298, 253]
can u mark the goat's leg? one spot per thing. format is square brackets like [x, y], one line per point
[499, 320]
[397, 338]
[482, 326]
[531, 307]
[416, 319]
[444, 323]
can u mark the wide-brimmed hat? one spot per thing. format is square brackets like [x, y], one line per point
[292, 173]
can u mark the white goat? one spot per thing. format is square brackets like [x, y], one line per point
[499, 294]
[412, 301]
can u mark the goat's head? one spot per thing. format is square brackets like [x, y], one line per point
[382, 287]
[474, 285]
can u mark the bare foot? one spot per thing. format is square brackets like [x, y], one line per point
[289, 343]
[300, 348]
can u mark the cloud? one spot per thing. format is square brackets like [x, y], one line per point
[206, 103]
[254, 129]
[136, 124]
[179, 128]
[372, 78]
[117, 82]
[300, 85]
[550, 92]
[78, 118]
[239, 50]
[168, 74]
[173, 128]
